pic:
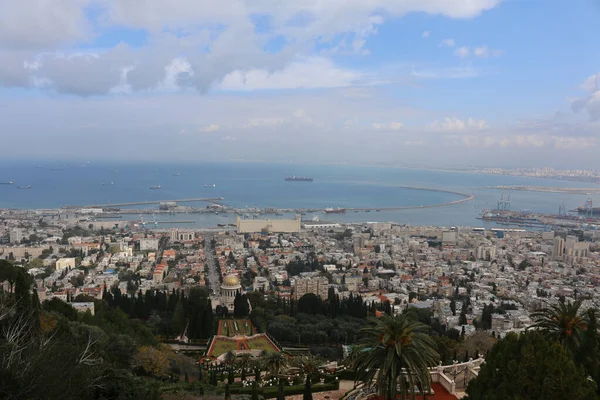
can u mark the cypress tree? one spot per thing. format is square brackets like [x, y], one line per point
[307, 390]
[281, 391]
[254, 391]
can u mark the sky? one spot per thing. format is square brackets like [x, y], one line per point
[512, 83]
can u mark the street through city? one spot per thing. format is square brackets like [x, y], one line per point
[212, 273]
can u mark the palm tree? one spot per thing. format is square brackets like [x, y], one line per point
[563, 322]
[396, 353]
[244, 362]
[274, 363]
[308, 365]
[229, 358]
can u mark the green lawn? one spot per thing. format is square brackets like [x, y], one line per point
[261, 343]
[222, 346]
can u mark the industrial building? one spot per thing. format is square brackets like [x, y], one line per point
[177, 235]
[268, 225]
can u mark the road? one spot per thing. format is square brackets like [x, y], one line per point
[213, 273]
[162, 245]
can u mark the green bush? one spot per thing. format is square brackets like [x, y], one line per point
[346, 375]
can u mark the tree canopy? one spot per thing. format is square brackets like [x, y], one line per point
[530, 367]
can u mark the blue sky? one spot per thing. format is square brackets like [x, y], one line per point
[427, 82]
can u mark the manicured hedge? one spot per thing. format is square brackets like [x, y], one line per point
[270, 392]
[346, 375]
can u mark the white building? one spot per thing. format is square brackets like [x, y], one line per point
[16, 235]
[82, 307]
[260, 282]
[318, 286]
[229, 288]
[177, 235]
[149, 244]
[63, 263]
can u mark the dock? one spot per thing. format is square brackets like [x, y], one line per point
[139, 203]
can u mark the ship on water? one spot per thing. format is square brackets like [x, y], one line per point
[588, 210]
[338, 210]
[7, 183]
[24, 187]
[295, 178]
[155, 187]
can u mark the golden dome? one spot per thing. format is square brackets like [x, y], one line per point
[231, 280]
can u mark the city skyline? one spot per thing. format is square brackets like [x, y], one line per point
[479, 82]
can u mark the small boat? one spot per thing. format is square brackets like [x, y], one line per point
[155, 187]
[7, 183]
[177, 174]
[108, 184]
[209, 186]
[24, 187]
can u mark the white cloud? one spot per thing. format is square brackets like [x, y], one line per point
[574, 142]
[462, 52]
[592, 83]
[485, 52]
[454, 124]
[210, 128]
[426, 34]
[530, 140]
[189, 42]
[229, 138]
[447, 43]
[310, 73]
[591, 102]
[264, 122]
[39, 24]
[390, 126]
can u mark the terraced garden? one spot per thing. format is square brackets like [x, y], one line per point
[261, 343]
[239, 334]
[236, 327]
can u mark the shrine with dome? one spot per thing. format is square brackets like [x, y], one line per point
[229, 288]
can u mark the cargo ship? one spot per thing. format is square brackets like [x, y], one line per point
[295, 178]
[155, 187]
[7, 183]
[334, 210]
[586, 210]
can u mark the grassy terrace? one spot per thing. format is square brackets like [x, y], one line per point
[261, 343]
[235, 327]
[238, 334]
[222, 346]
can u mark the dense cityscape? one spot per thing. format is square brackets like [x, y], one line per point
[299, 200]
[266, 297]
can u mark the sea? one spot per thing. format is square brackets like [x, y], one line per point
[254, 184]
